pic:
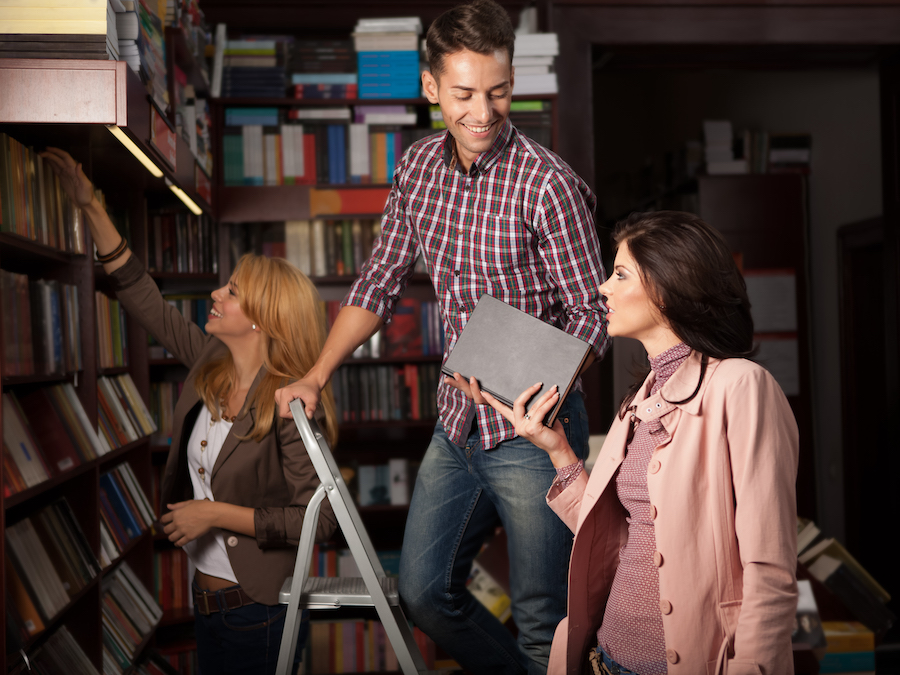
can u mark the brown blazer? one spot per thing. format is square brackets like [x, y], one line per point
[275, 476]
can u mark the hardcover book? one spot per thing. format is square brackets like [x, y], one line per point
[508, 350]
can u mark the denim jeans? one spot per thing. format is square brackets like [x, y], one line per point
[461, 494]
[244, 641]
[609, 666]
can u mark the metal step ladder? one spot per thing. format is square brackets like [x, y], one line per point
[371, 589]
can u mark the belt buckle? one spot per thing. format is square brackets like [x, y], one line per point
[204, 609]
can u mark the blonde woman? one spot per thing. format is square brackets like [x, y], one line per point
[238, 478]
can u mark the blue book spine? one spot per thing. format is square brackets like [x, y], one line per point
[120, 505]
[847, 662]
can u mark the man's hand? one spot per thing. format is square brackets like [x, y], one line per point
[469, 388]
[305, 390]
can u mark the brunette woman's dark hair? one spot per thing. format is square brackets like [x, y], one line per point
[481, 26]
[691, 275]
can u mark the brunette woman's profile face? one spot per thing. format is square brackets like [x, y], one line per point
[632, 312]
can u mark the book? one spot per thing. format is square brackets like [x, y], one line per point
[50, 431]
[853, 593]
[848, 636]
[508, 350]
[20, 445]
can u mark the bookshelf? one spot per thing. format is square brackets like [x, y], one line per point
[69, 104]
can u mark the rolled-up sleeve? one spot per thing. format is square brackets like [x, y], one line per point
[570, 251]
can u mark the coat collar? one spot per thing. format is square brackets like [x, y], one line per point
[678, 387]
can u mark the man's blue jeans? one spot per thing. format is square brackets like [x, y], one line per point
[461, 493]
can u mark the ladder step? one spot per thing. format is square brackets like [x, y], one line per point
[321, 592]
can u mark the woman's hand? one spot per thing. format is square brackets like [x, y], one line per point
[530, 425]
[73, 179]
[188, 520]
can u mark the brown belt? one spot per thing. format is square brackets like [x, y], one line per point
[209, 602]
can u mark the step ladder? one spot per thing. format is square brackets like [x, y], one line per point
[371, 589]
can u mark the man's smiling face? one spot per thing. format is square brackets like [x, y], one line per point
[474, 92]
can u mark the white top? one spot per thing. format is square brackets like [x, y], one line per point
[207, 552]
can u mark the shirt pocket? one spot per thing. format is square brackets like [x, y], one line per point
[504, 247]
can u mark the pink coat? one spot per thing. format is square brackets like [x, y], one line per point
[723, 488]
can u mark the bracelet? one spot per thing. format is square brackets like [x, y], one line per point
[116, 253]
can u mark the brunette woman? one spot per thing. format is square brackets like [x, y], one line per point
[685, 555]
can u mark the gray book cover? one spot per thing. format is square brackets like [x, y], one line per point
[508, 350]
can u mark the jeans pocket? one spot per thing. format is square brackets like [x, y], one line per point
[252, 617]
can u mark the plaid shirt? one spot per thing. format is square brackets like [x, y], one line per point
[518, 226]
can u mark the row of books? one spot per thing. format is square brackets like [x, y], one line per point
[60, 654]
[163, 396]
[753, 150]
[41, 330]
[357, 646]
[193, 120]
[151, 45]
[369, 393]
[125, 512]
[32, 201]
[826, 559]
[49, 562]
[415, 330]
[172, 579]
[129, 614]
[321, 248]
[183, 243]
[46, 432]
[112, 333]
[123, 416]
[382, 484]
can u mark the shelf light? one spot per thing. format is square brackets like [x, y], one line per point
[182, 195]
[135, 150]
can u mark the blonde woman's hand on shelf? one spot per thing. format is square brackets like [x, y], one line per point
[530, 425]
[71, 176]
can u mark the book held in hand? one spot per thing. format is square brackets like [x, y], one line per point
[508, 350]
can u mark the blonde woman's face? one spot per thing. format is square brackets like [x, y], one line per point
[226, 319]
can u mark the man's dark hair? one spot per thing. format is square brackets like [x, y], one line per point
[481, 26]
[690, 274]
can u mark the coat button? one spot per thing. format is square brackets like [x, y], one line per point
[671, 656]
[201, 471]
[232, 541]
[657, 558]
[202, 444]
[654, 466]
[665, 606]
[653, 512]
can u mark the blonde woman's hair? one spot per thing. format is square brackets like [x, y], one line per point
[285, 306]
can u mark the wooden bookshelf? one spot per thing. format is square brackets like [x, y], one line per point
[68, 104]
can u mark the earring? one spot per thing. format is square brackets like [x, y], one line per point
[253, 326]
[662, 306]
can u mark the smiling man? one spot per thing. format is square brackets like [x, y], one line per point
[490, 211]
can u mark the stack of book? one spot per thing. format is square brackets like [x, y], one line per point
[80, 29]
[254, 67]
[125, 512]
[789, 153]
[45, 433]
[192, 120]
[152, 48]
[325, 85]
[388, 57]
[122, 415]
[533, 60]
[719, 149]
[129, 615]
[128, 31]
[828, 561]
[32, 202]
[49, 562]
[851, 648]
[534, 119]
